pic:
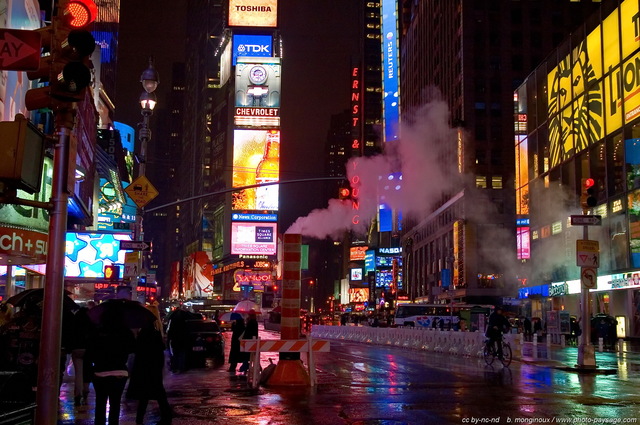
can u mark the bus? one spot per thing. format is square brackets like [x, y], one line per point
[443, 316]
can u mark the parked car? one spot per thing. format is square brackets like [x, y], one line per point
[224, 321]
[205, 342]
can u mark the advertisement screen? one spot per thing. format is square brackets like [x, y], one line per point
[357, 253]
[356, 274]
[251, 46]
[253, 13]
[254, 238]
[358, 295]
[258, 82]
[390, 82]
[86, 254]
[256, 160]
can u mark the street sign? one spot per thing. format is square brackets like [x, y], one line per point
[587, 253]
[586, 220]
[141, 191]
[131, 261]
[19, 50]
[588, 277]
[135, 245]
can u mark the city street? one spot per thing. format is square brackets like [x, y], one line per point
[366, 384]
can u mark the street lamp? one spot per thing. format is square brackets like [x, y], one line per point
[148, 100]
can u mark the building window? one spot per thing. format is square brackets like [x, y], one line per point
[496, 182]
[481, 182]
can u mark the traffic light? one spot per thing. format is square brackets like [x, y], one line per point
[344, 192]
[111, 272]
[21, 154]
[588, 197]
[65, 63]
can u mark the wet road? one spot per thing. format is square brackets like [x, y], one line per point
[362, 384]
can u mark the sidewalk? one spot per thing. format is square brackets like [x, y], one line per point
[557, 356]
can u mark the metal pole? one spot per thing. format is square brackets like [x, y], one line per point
[47, 394]
[586, 352]
[144, 136]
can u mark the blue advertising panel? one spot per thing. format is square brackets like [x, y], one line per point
[254, 217]
[370, 261]
[251, 46]
[86, 254]
[390, 81]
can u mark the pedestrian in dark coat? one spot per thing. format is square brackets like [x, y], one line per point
[78, 336]
[250, 332]
[109, 349]
[237, 332]
[146, 381]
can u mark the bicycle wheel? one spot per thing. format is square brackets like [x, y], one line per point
[488, 354]
[506, 354]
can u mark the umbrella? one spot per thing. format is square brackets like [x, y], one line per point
[246, 306]
[129, 313]
[35, 297]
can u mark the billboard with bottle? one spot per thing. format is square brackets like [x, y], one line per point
[256, 160]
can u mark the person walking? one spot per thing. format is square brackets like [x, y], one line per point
[250, 332]
[237, 332]
[109, 349]
[146, 382]
[77, 341]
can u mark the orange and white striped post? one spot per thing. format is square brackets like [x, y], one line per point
[290, 370]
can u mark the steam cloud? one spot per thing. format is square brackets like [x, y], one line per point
[418, 156]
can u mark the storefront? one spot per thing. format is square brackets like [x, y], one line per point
[616, 295]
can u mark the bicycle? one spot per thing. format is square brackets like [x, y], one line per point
[490, 352]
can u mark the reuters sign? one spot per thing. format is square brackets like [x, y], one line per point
[253, 13]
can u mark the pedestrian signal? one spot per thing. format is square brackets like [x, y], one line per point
[111, 272]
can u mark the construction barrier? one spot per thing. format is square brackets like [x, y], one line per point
[469, 344]
[258, 346]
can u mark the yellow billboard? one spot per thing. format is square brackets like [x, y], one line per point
[253, 13]
[631, 87]
[629, 27]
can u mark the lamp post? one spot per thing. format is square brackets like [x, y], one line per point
[148, 100]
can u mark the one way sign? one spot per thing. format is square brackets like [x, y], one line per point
[135, 245]
[19, 50]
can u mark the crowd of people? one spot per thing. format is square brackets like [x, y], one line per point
[105, 355]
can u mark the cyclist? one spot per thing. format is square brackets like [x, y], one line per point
[498, 324]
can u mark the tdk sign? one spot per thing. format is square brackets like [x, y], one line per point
[251, 46]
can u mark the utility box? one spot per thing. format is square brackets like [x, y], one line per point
[21, 154]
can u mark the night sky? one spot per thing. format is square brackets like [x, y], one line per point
[319, 37]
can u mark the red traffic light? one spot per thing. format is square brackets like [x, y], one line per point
[80, 12]
[344, 192]
[589, 182]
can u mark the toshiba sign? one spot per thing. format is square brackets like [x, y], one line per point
[253, 13]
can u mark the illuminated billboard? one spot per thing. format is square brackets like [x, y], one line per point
[86, 254]
[253, 13]
[390, 81]
[256, 159]
[258, 86]
[583, 105]
[251, 46]
[358, 295]
[254, 238]
[357, 253]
